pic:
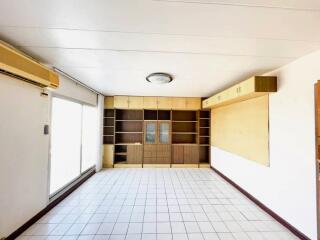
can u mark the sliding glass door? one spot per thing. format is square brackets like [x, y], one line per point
[66, 126]
[89, 137]
[74, 141]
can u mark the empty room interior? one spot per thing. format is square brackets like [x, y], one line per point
[159, 119]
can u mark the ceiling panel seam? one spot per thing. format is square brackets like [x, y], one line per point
[163, 34]
[166, 52]
[239, 5]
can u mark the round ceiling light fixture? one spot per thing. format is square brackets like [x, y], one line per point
[159, 78]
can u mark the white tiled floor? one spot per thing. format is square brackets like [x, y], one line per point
[156, 204]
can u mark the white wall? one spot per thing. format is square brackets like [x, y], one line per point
[288, 186]
[23, 153]
[24, 149]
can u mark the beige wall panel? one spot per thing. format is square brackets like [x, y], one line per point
[243, 129]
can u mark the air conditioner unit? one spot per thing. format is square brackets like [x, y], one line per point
[15, 63]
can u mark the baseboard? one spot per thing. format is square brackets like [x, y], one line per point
[283, 222]
[51, 205]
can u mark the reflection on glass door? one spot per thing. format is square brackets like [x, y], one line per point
[150, 132]
[164, 132]
[65, 143]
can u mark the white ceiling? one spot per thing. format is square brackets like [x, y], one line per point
[112, 45]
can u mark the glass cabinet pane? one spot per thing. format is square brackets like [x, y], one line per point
[164, 131]
[151, 128]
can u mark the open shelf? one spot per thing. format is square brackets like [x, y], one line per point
[134, 126]
[120, 153]
[204, 122]
[184, 115]
[108, 126]
[204, 154]
[108, 113]
[164, 115]
[150, 114]
[184, 138]
[109, 130]
[204, 140]
[184, 133]
[129, 138]
[204, 132]
[129, 115]
[108, 139]
[184, 126]
[205, 114]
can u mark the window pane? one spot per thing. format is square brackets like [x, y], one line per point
[65, 143]
[89, 137]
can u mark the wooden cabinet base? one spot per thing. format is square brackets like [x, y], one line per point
[204, 165]
[156, 165]
[184, 165]
[124, 165]
[107, 165]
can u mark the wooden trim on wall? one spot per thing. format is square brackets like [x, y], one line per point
[283, 222]
[51, 205]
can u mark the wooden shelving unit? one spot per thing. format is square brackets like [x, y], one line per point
[188, 130]
[108, 126]
[128, 132]
[204, 137]
[184, 127]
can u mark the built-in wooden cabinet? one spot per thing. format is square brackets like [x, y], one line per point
[179, 103]
[108, 152]
[128, 102]
[193, 103]
[185, 154]
[145, 130]
[121, 102]
[154, 103]
[108, 102]
[135, 102]
[150, 103]
[134, 154]
[250, 88]
[164, 103]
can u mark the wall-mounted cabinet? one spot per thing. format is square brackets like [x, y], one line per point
[108, 102]
[153, 103]
[128, 102]
[253, 87]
